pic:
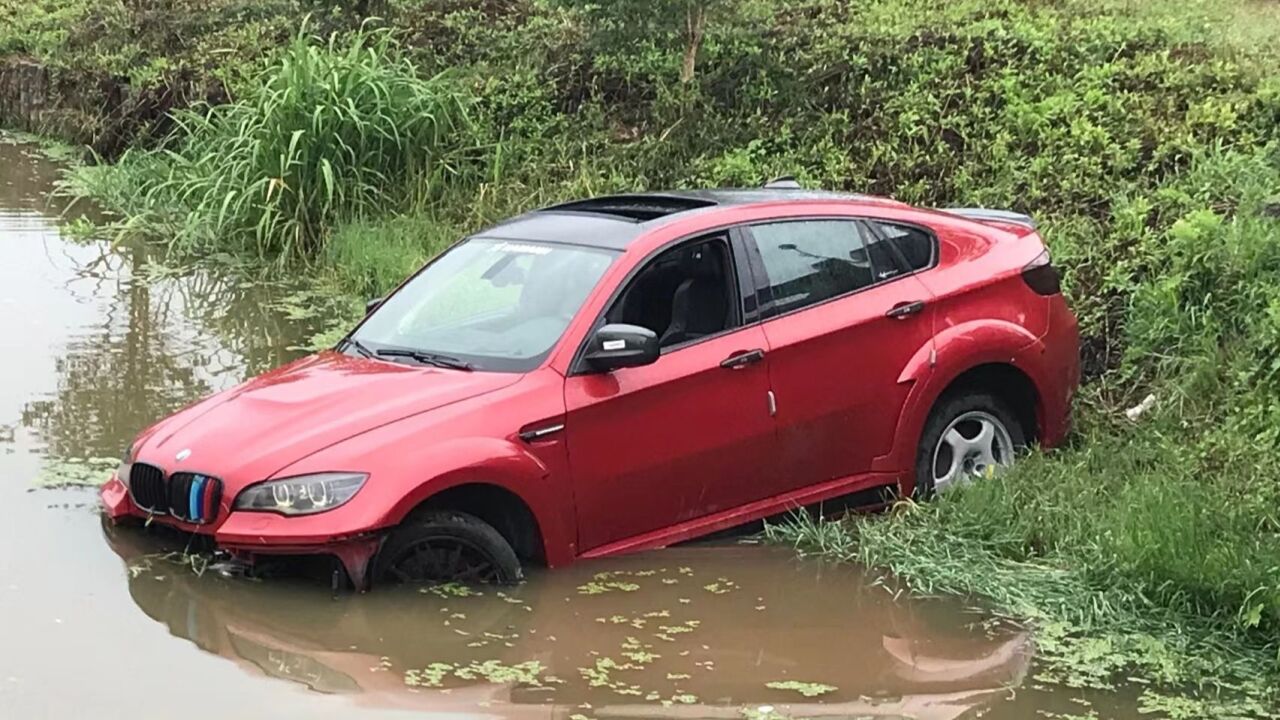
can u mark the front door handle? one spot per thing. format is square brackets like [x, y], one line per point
[905, 309]
[742, 358]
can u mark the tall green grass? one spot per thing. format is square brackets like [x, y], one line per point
[331, 132]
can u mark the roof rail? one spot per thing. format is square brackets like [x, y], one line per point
[783, 182]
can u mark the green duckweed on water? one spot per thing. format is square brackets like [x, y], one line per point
[75, 472]
[807, 689]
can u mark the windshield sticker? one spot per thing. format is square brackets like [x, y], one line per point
[521, 248]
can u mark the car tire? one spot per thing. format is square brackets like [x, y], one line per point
[447, 546]
[943, 459]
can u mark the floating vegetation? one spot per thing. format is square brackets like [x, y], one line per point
[304, 304]
[144, 564]
[687, 626]
[75, 472]
[196, 562]
[512, 600]
[432, 675]
[451, 589]
[494, 671]
[721, 586]
[764, 712]
[642, 657]
[600, 675]
[807, 689]
[607, 582]
[637, 623]
[525, 673]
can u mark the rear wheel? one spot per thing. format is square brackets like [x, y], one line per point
[967, 437]
[447, 546]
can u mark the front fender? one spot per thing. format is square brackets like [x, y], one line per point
[956, 350]
[502, 463]
[402, 475]
[472, 460]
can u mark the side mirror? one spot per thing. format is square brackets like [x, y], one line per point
[372, 305]
[617, 346]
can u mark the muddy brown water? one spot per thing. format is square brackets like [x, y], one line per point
[95, 621]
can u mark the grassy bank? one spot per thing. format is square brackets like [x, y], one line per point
[1145, 137]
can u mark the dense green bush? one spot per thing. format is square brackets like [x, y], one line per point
[329, 133]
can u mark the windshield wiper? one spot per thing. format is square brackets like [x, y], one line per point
[426, 358]
[360, 347]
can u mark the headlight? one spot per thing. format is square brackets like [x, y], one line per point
[301, 495]
[126, 466]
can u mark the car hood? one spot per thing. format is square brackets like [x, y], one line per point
[252, 431]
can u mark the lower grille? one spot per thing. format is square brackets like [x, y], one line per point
[187, 496]
[146, 484]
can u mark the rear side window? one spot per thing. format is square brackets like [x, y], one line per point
[809, 261]
[916, 245]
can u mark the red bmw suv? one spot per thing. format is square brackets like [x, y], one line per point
[628, 372]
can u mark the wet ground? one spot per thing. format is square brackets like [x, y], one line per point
[97, 341]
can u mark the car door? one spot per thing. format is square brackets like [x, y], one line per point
[843, 316]
[687, 436]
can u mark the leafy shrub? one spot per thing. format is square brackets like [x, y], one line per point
[329, 133]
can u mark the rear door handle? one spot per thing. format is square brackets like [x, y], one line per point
[905, 309]
[742, 359]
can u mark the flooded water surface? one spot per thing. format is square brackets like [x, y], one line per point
[105, 622]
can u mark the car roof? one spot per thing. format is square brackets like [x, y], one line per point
[614, 221]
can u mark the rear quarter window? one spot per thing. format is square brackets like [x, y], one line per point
[917, 246]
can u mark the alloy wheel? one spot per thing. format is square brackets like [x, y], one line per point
[444, 559]
[974, 444]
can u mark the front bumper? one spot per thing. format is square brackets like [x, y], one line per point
[251, 534]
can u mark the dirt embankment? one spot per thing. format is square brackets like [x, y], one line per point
[103, 112]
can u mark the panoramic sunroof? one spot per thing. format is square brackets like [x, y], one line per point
[633, 207]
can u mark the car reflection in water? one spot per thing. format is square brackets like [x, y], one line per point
[750, 615]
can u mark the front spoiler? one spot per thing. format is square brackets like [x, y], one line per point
[354, 550]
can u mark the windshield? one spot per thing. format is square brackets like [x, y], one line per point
[493, 304]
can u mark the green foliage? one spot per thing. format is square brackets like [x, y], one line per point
[1132, 556]
[331, 132]
[807, 689]
[75, 472]
[145, 41]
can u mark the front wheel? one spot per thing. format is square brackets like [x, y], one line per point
[447, 546]
[967, 437]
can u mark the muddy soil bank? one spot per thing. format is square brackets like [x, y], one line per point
[104, 112]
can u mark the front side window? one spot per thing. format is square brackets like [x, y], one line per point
[492, 304]
[809, 261]
[684, 294]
